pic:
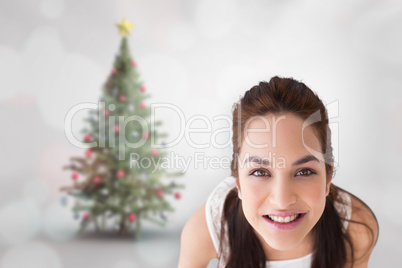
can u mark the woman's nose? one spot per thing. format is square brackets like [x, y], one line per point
[282, 193]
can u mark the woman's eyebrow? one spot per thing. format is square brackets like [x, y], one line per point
[305, 159]
[257, 160]
[265, 162]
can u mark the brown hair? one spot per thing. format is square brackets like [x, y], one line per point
[284, 95]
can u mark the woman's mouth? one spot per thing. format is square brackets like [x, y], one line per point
[283, 219]
[284, 223]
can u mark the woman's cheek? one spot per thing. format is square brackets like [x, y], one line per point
[254, 194]
[315, 193]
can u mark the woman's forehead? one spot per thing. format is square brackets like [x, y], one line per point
[274, 121]
[284, 133]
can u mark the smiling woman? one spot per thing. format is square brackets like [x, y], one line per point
[285, 213]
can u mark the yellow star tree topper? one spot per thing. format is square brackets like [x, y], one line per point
[124, 27]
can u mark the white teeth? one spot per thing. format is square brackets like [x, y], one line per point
[282, 219]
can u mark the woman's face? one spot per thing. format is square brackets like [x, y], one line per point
[281, 183]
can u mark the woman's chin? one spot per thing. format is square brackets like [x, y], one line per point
[282, 245]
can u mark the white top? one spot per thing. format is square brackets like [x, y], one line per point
[213, 210]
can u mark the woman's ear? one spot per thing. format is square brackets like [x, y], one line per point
[238, 188]
[329, 180]
[327, 188]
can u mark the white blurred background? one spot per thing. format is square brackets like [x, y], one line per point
[200, 56]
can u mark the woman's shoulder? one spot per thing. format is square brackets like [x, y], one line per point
[196, 248]
[200, 238]
[363, 230]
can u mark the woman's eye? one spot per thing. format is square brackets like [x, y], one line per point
[305, 172]
[259, 172]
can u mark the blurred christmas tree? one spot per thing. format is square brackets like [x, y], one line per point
[111, 186]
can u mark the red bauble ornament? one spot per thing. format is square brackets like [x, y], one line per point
[74, 176]
[145, 135]
[133, 63]
[85, 216]
[159, 193]
[88, 153]
[114, 71]
[154, 152]
[88, 137]
[143, 105]
[116, 128]
[97, 179]
[177, 195]
[131, 217]
[143, 88]
[122, 98]
[120, 173]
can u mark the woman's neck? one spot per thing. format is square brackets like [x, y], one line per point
[304, 248]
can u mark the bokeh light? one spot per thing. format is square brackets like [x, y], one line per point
[52, 9]
[35, 191]
[166, 251]
[32, 255]
[125, 264]
[163, 74]
[20, 221]
[182, 36]
[58, 221]
[216, 19]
